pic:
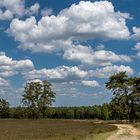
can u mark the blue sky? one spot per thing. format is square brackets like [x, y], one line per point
[76, 45]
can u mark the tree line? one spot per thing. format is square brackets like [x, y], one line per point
[83, 112]
[38, 98]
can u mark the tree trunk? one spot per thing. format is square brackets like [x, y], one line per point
[131, 114]
[127, 103]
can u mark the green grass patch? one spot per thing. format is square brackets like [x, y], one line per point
[52, 129]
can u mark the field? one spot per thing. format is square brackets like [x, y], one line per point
[53, 130]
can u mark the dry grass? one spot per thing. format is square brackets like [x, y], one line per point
[51, 129]
[137, 125]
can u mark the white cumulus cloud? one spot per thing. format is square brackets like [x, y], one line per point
[137, 49]
[107, 71]
[88, 83]
[83, 21]
[34, 9]
[46, 12]
[10, 67]
[63, 73]
[86, 55]
[136, 34]
[4, 83]
[12, 8]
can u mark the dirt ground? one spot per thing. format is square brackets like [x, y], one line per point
[125, 132]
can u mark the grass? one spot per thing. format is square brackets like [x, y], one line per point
[102, 136]
[52, 130]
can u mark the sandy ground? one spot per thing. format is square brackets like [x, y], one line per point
[125, 132]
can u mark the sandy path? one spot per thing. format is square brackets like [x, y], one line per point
[125, 132]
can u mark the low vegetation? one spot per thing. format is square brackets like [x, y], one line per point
[52, 129]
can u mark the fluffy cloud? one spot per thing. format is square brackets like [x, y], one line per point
[100, 47]
[9, 67]
[105, 72]
[92, 83]
[46, 12]
[4, 83]
[34, 80]
[96, 19]
[34, 9]
[136, 34]
[137, 48]
[65, 89]
[5, 15]
[75, 74]
[15, 8]
[86, 20]
[62, 73]
[87, 56]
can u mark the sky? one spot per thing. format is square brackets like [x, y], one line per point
[75, 45]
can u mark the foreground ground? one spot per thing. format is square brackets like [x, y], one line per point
[53, 130]
[66, 130]
[125, 132]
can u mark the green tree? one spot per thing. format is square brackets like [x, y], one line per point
[104, 112]
[38, 94]
[126, 91]
[70, 114]
[118, 84]
[4, 109]
[117, 109]
[134, 97]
